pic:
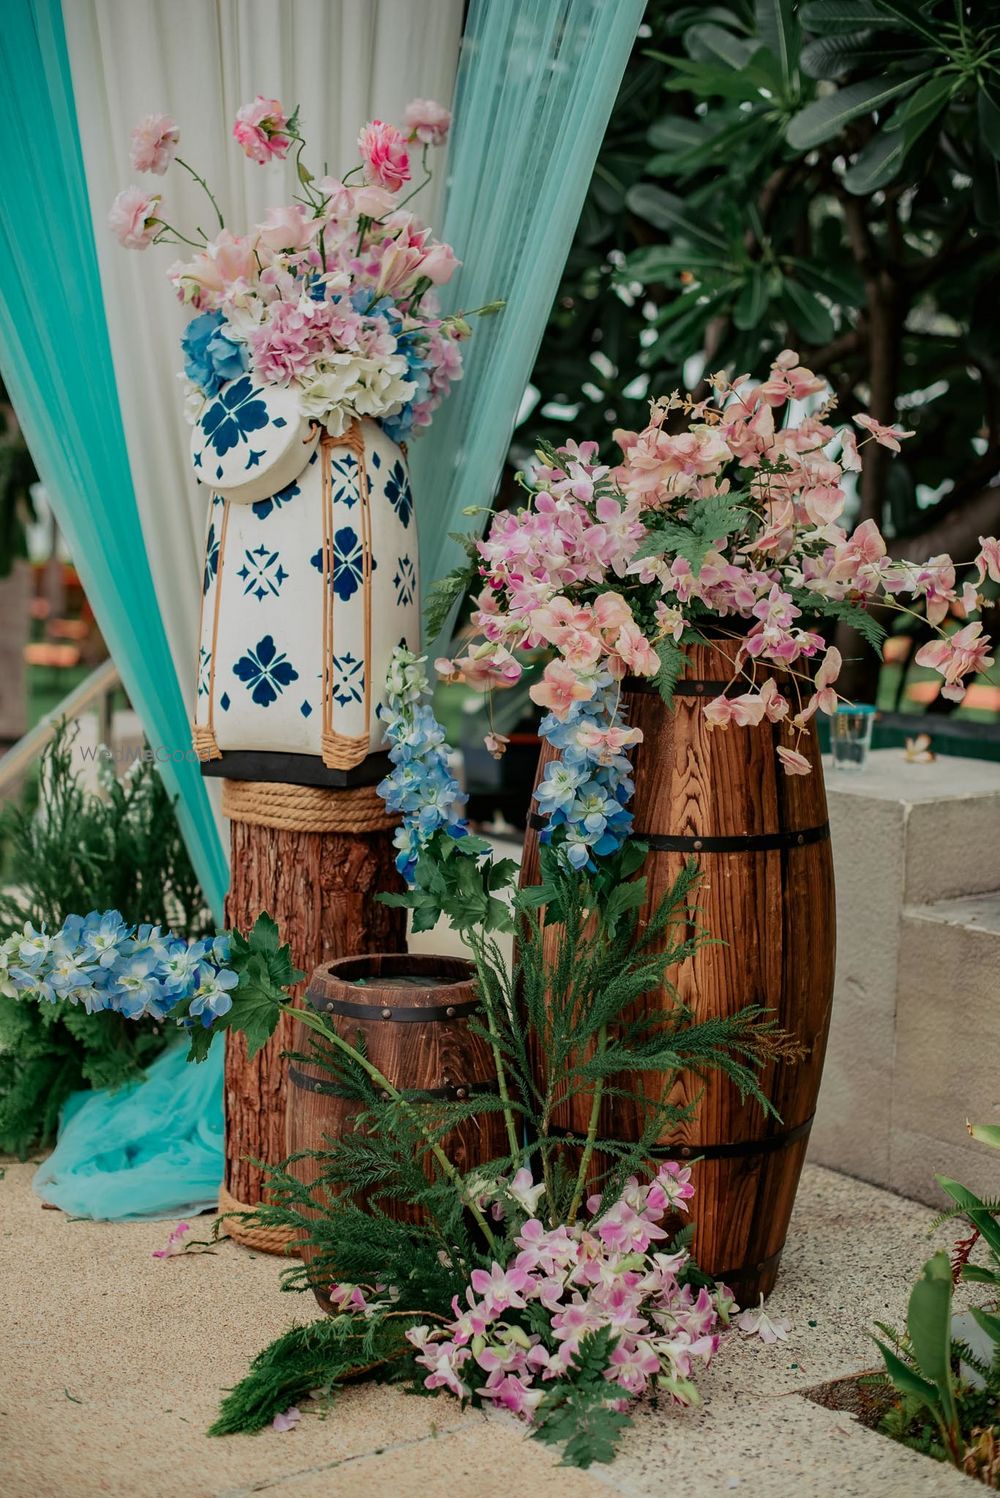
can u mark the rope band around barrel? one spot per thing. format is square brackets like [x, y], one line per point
[266, 1240]
[306, 808]
[751, 842]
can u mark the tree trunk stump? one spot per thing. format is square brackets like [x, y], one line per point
[320, 888]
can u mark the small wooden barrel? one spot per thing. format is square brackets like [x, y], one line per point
[413, 1010]
[762, 842]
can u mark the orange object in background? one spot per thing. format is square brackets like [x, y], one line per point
[45, 653]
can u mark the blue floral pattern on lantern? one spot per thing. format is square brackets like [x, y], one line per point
[345, 470]
[211, 557]
[405, 581]
[236, 412]
[348, 679]
[262, 573]
[204, 671]
[265, 671]
[284, 496]
[348, 562]
[398, 492]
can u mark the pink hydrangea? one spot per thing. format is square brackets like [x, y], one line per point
[154, 143]
[427, 122]
[134, 218]
[384, 155]
[261, 128]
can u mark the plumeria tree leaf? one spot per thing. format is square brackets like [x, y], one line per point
[826, 117]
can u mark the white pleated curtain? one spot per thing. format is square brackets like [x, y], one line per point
[343, 62]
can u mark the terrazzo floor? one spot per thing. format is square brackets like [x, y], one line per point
[111, 1363]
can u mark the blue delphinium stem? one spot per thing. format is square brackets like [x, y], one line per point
[100, 963]
[420, 785]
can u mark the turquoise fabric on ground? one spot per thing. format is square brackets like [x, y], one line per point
[536, 84]
[151, 1149]
[56, 364]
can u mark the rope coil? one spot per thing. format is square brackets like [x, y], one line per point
[306, 808]
[274, 1240]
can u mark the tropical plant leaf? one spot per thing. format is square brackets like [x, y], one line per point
[664, 211]
[779, 29]
[928, 1322]
[826, 117]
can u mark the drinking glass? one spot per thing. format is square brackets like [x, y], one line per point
[851, 735]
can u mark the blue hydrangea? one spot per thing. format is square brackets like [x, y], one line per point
[100, 962]
[420, 785]
[210, 357]
[584, 794]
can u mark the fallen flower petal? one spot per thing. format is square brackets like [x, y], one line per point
[768, 1328]
[287, 1419]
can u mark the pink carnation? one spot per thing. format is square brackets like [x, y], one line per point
[427, 122]
[262, 130]
[133, 219]
[385, 156]
[154, 144]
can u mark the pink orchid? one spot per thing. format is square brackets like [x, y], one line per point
[496, 744]
[745, 710]
[175, 1242]
[964, 653]
[850, 458]
[499, 1288]
[287, 1419]
[987, 563]
[488, 666]
[824, 698]
[513, 1394]
[154, 143]
[632, 1365]
[559, 688]
[261, 129]
[427, 122]
[134, 218]
[792, 762]
[633, 652]
[384, 155]
[885, 436]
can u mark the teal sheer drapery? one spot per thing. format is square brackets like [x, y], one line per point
[536, 84]
[56, 364]
[151, 1149]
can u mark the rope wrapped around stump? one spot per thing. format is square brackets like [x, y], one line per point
[306, 808]
[276, 1240]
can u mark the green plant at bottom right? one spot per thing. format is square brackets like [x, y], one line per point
[945, 1376]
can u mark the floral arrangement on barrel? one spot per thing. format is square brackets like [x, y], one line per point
[722, 524]
[334, 295]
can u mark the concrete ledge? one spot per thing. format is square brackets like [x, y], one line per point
[914, 1041]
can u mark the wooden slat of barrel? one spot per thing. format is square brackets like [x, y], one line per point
[417, 1034]
[772, 905]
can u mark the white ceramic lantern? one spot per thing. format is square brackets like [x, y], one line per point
[310, 581]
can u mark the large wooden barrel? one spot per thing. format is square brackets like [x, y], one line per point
[413, 1010]
[762, 841]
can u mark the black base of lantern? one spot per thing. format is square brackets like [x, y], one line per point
[294, 769]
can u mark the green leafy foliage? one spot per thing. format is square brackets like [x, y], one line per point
[76, 852]
[948, 1393]
[578, 1414]
[455, 878]
[265, 970]
[306, 1359]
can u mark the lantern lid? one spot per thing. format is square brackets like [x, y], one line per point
[251, 440]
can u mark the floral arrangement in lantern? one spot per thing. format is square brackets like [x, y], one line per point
[316, 350]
